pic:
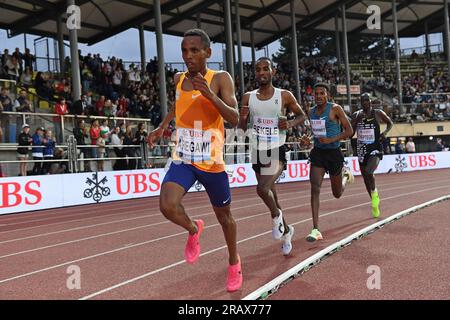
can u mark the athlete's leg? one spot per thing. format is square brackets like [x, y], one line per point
[368, 172]
[171, 207]
[218, 189]
[316, 178]
[229, 228]
[176, 183]
[264, 189]
[369, 181]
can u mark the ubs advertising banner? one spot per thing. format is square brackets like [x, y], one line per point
[20, 194]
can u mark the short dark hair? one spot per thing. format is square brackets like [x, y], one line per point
[199, 33]
[323, 85]
[265, 59]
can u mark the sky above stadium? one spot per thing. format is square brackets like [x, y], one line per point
[126, 46]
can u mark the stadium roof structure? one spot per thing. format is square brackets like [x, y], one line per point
[270, 19]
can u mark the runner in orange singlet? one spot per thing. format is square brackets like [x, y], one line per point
[204, 99]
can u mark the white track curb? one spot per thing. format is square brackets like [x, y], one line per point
[272, 286]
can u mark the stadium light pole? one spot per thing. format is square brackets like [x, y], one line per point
[229, 38]
[252, 44]
[161, 66]
[427, 40]
[142, 47]
[447, 42]
[338, 40]
[239, 43]
[347, 66]
[397, 56]
[295, 52]
[383, 47]
[74, 59]
[61, 49]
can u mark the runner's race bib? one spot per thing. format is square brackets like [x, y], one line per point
[193, 145]
[366, 136]
[319, 128]
[266, 129]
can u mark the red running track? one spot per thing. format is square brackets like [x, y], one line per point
[127, 250]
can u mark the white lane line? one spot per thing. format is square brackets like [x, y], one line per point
[158, 223]
[241, 241]
[158, 214]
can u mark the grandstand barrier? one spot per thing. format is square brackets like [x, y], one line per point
[31, 193]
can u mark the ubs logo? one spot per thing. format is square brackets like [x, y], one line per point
[97, 189]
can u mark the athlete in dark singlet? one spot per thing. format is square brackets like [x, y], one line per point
[366, 122]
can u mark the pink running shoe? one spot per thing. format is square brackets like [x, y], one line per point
[192, 250]
[234, 279]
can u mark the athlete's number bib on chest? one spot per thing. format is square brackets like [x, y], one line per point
[194, 145]
[366, 136]
[319, 128]
[266, 129]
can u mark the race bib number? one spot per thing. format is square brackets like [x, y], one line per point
[193, 145]
[266, 129]
[366, 136]
[319, 128]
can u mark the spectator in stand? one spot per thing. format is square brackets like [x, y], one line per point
[410, 146]
[59, 167]
[18, 55]
[22, 103]
[101, 144]
[139, 138]
[37, 151]
[24, 140]
[399, 149]
[5, 100]
[80, 133]
[5, 105]
[29, 59]
[129, 151]
[26, 79]
[94, 134]
[100, 106]
[60, 110]
[13, 68]
[3, 68]
[79, 107]
[440, 145]
[48, 152]
[116, 140]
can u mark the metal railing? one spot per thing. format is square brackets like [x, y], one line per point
[61, 125]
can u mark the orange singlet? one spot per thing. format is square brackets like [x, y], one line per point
[200, 130]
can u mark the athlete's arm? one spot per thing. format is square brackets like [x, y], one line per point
[342, 117]
[157, 133]
[292, 105]
[356, 117]
[244, 112]
[227, 103]
[385, 118]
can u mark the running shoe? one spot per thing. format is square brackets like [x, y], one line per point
[375, 204]
[234, 278]
[278, 226]
[192, 250]
[286, 247]
[314, 235]
[346, 172]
